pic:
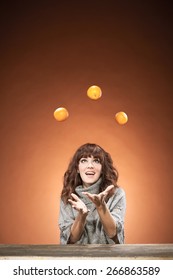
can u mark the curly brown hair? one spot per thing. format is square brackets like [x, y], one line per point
[72, 178]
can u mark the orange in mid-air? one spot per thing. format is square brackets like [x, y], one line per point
[61, 114]
[94, 92]
[121, 117]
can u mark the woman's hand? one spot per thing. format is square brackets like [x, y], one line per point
[78, 204]
[99, 199]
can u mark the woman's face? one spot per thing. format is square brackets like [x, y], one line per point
[90, 170]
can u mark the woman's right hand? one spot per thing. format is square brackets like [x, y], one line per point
[78, 204]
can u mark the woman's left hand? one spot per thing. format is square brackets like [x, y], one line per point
[99, 199]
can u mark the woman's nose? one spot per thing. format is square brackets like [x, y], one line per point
[90, 164]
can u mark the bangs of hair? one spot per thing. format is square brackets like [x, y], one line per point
[89, 150]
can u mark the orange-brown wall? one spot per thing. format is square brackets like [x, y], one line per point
[50, 56]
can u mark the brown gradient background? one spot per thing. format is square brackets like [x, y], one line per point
[50, 55]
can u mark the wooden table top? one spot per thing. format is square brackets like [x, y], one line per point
[123, 251]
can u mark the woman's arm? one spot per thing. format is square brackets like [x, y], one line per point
[77, 227]
[107, 220]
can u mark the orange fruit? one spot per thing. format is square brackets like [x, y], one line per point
[61, 114]
[121, 117]
[94, 92]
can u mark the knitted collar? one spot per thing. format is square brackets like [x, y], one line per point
[94, 189]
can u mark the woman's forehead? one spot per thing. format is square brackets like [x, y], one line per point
[89, 156]
[93, 155]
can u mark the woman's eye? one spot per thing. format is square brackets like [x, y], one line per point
[83, 160]
[97, 160]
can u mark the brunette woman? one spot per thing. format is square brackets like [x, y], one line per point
[92, 206]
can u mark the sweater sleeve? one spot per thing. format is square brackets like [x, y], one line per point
[66, 219]
[117, 207]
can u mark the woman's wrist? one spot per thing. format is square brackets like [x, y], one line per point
[101, 207]
[84, 211]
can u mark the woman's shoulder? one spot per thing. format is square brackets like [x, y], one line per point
[118, 197]
[120, 190]
[119, 193]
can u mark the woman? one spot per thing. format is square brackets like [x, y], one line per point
[92, 206]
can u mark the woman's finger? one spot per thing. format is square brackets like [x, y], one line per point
[75, 196]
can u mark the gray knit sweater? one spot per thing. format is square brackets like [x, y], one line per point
[93, 231]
